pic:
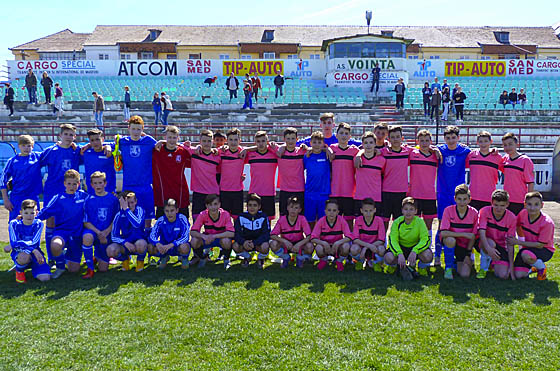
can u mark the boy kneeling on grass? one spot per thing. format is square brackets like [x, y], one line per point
[292, 234]
[218, 232]
[536, 240]
[331, 236]
[170, 236]
[25, 240]
[252, 232]
[408, 241]
[369, 237]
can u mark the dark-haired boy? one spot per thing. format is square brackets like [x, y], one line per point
[95, 159]
[252, 232]
[317, 181]
[519, 173]
[369, 236]
[232, 166]
[263, 163]
[291, 180]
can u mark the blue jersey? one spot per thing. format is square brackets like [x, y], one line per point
[451, 170]
[317, 175]
[128, 226]
[25, 238]
[166, 232]
[101, 210]
[328, 141]
[25, 173]
[137, 160]
[68, 212]
[98, 161]
[58, 160]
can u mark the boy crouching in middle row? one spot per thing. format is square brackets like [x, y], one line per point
[252, 232]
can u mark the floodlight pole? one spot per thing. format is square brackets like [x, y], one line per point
[368, 19]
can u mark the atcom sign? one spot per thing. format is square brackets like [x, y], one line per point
[147, 68]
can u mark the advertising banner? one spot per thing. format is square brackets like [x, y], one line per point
[533, 67]
[363, 80]
[366, 64]
[475, 68]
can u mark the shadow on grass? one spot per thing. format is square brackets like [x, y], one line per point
[316, 281]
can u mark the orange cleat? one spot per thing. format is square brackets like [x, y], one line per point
[20, 277]
[88, 275]
[541, 274]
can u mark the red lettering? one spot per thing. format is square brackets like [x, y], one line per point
[206, 69]
[460, 68]
[511, 63]
[207, 63]
[20, 65]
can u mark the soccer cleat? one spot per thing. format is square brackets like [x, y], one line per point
[163, 262]
[448, 275]
[533, 270]
[481, 274]
[227, 264]
[113, 261]
[20, 277]
[322, 264]
[126, 265]
[285, 263]
[391, 269]
[260, 263]
[88, 275]
[541, 274]
[377, 267]
[152, 261]
[57, 273]
[339, 266]
[139, 265]
[359, 266]
[423, 272]
[370, 263]
[245, 263]
[406, 274]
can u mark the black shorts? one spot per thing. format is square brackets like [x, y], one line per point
[268, 206]
[479, 204]
[426, 208]
[160, 213]
[516, 207]
[345, 206]
[198, 203]
[283, 201]
[358, 206]
[542, 254]
[461, 253]
[392, 204]
[232, 201]
[503, 253]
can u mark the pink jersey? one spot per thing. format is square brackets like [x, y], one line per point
[483, 174]
[395, 178]
[343, 183]
[496, 229]
[369, 233]
[290, 171]
[423, 173]
[204, 168]
[232, 170]
[369, 178]
[330, 234]
[541, 230]
[518, 172]
[211, 226]
[453, 222]
[263, 172]
[293, 233]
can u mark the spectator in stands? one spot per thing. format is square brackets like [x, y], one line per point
[248, 91]
[426, 97]
[445, 85]
[47, 84]
[435, 102]
[512, 98]
[9, 95]
[58, 102]
[167, 108]
[522, 98]
[210, 80]
[375, 73]
[459, 101]
[256, 81]
[126, 110]
[98, 108]
[156, 103]
[232, 84]
[446, 99]
[436, 84]
[278, 84]
[31, 86]
[452, 95]
[400, 88]
[504, 98]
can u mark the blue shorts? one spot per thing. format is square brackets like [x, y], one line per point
[72, 245]
[16, 200]
[444, 201]
[36, 268]
[100, 249]
[314, 208]
[145, 197]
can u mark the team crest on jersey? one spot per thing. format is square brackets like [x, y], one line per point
[178, 158]
[450, 161]
[102, 214]
[134, 151]
[66, 164]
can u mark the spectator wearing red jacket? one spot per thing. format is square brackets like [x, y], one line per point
[256, 86]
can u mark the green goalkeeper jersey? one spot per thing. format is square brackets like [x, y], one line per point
[414, 235]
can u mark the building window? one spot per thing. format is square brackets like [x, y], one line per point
[485, 57]
[224, 56]
[171, 56]
[153, 34]
[269, 55]
[530, 57]
[315, 56]
[502, 37]
[367, 50]
[268, 36]
[464, 57]
[293, 56]
[387, 33]
[551, 57]
[511, 56]
[434, 56]
[103, 56]
[412, 57]
[125, 56]
[194, 56]
[246, 56]
[147, 55]
[68, 56]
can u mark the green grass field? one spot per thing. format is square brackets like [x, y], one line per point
[277, 320]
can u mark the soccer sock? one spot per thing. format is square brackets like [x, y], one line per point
[421, 264]
[19, 268]
[262, 256]
[438, 246]
[449, 257]
[304, 257]
[378, 259]
[245, 255]
[60, 261]
[199, 253]
[281, 254]
[431, 237]
[88, 255]
[48, 238]
[141, 257]
[356, 257]
[484, 261]
[539, 264]
[324, 259]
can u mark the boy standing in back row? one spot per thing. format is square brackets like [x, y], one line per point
[263, 164]
[317, 181]
[519, 173]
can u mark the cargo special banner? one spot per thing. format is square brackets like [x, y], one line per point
[363, 80]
